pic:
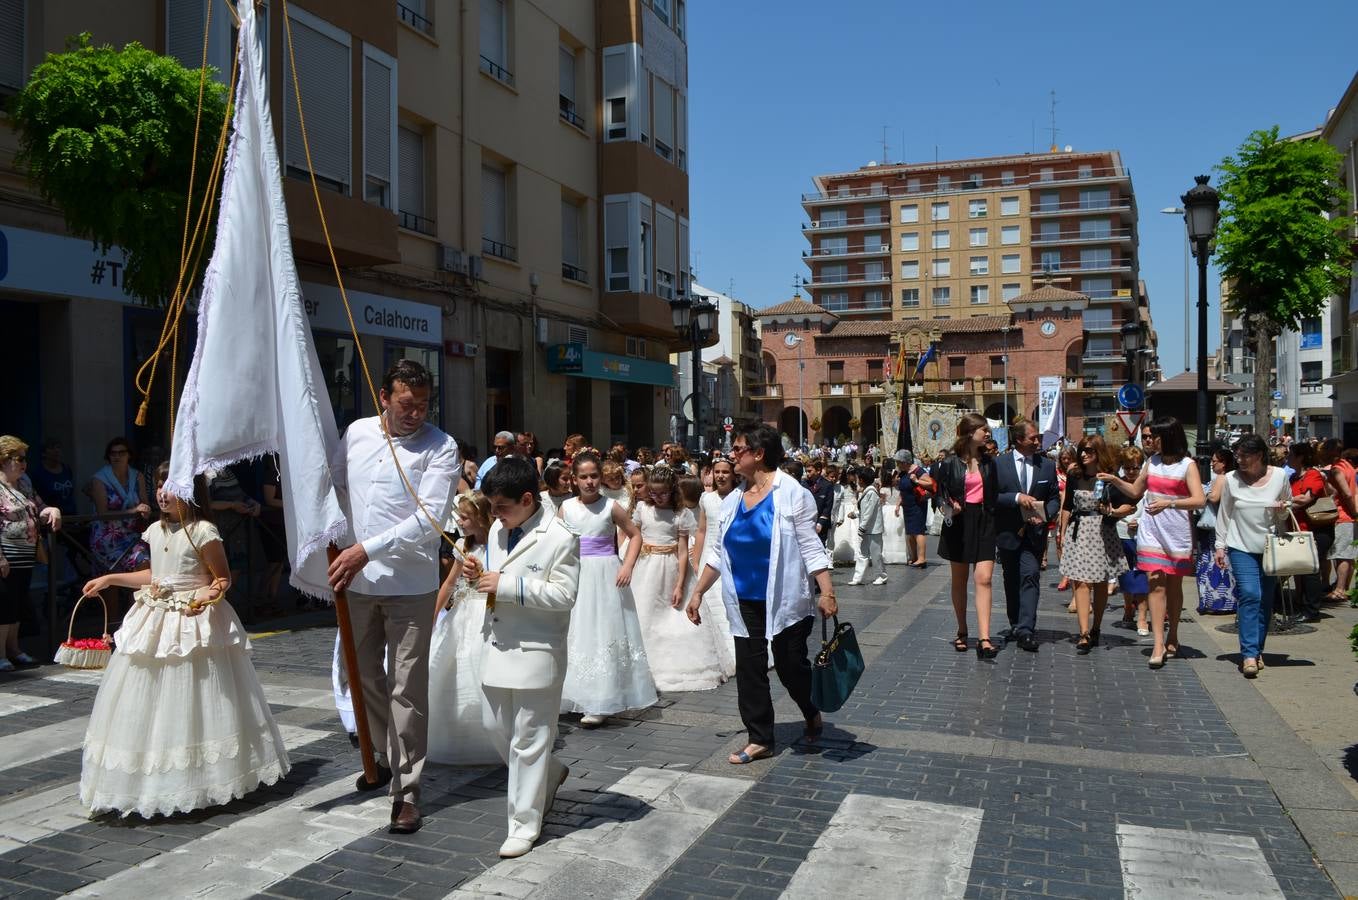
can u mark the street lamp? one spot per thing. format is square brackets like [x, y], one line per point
[1131, 343]
[1179, 211]
[695, 322]
[1201, 211]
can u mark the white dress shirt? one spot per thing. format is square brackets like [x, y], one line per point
[1024, 466]
[401, 543]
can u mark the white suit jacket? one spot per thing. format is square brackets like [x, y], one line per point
[795, 551]
[525, 633]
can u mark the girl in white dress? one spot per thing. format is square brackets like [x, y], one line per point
[457, 735]
[709, 529]
[895, 543]
[560, 486]
[844, 543]
[683, 658]
[613, 484]
[180, 721]
[606, 666]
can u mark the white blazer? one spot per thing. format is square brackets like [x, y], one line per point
[795, 551]
[524, 634]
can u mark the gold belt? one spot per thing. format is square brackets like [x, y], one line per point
[659, 549]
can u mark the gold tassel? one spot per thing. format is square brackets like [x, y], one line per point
[141, 414]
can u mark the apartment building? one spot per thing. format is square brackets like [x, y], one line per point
[1341, 131]
[505, 185]
[965, 238]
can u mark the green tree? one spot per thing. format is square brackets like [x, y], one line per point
[106, 136]
[1281, 245]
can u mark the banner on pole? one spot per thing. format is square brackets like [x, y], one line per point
[1050, 409]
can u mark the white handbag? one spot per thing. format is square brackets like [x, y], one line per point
[1291, 552]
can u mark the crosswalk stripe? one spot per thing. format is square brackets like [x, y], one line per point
[39, 743]
[657, 816]
[17, 703]
[866, 836]
[33, 816]
[1171, 864]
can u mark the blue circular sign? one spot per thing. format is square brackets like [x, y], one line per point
[1277, 423]
[1131, 396]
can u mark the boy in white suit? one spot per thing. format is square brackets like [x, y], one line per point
[531, 574]
[870, 529]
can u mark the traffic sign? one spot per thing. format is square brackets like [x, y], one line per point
[1131, 419]
[1131, 396]
[728, 422]
[1277, 423]
[1277, 395]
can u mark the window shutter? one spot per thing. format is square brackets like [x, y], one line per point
[683, 256]
[410, 160]
[377, 124]
[666, 241]
[570, 233]
[184, 22]
[493, 31]
[664, 114]
[493, 224]
[323, 78]
[681, 126]
[568, 74]
[12, 43]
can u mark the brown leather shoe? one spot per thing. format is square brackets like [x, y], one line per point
[405, 817]
[383, 779]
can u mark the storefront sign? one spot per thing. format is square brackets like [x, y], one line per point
[574, 359]
[54, 264]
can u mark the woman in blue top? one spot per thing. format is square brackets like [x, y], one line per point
[766, 555]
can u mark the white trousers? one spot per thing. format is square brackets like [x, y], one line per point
[522, 724]
[869, 548]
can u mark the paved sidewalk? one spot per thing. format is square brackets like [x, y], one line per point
[1043, 774]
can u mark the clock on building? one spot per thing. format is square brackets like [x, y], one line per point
[1048, 328]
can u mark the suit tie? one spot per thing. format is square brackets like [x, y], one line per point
[515, 535]
[1023, 473]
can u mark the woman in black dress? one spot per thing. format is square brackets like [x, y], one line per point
[967, 490]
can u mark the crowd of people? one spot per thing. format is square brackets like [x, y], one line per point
[488, 598]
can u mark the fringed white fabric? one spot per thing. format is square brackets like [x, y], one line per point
[255, 385]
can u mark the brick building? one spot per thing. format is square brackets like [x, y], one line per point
[833, 367]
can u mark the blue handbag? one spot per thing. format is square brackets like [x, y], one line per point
[837, 666]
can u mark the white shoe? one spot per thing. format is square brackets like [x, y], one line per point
[592, 721]
[1143, 632]
[6, 665]
[880, 579]
[514, 847]
[855, 581]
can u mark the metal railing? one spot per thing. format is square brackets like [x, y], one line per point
[497, 71]
[836, 252]
[499, 249]
[414, 222]
[569, 114]
[856, 304]
[846, 222]
[1083, 205]
[1078, 265]
[1068, 237]
[849, 278]
[414, 19]
[574, 273]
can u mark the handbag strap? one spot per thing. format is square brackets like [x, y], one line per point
[1291, 514]
[824, 637]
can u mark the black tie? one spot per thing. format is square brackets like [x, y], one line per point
[515, 535]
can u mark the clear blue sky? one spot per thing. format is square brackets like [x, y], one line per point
[780, 92]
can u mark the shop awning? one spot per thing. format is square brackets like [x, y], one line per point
[574, 359]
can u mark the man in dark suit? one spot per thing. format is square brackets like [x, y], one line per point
[824, 492]
[1028, 499]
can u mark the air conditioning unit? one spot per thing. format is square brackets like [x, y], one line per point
[470, 350]
[451, 259]
[474, 268]
[815, 223]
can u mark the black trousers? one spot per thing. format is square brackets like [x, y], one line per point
[1022, 583]
[752, 671]
[14, 597]
[1312, 588]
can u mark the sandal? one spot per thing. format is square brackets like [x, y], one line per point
[986, 652]
[1171, 651]
[1083, 644]
[743, 758]
[960, 642]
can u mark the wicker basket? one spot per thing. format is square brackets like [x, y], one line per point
[86, 653]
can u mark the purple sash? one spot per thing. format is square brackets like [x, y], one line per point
[597, 545]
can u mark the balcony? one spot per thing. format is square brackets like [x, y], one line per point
[855, 304]
[498, 72]
[1311, 388]
[1082, 207]
[836, 388]
[899, 189]
[415, 20]
[846, 224]
[766, 392]
[1104, 356]
[845, 252]
[1108, 235]
[1103, 328]
[849, 280]
[1115, 295]
[1081, 267]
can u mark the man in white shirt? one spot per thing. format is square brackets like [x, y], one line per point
[391, 573]
[503, 445]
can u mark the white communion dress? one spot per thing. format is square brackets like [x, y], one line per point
[180, 721]
[457, 735]
[606, 666]
[895, 547]
[713, 608]
[844, 542]
[683, 657]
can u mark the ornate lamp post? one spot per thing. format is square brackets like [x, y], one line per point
[695, 321]
[1201, 211]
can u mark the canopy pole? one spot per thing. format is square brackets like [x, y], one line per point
[349, 653]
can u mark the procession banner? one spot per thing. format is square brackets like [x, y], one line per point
[255, 385]
[1050, 409]
[933, 427]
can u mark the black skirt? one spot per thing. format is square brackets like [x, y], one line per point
[971, 536]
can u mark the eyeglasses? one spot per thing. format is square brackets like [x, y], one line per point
[737, 451]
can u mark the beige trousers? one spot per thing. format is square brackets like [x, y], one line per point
[397, 697]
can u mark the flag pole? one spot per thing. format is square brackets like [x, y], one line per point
[349, 653]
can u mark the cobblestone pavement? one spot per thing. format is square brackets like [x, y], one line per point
[1043, 774]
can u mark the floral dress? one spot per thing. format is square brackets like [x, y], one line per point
[117, 543]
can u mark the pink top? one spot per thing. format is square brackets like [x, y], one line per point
[975, 488]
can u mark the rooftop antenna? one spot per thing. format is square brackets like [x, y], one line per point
[902, 145]
[796, 285]
[693, 266]
[731, 288]
[886, 151]
[1054, 129]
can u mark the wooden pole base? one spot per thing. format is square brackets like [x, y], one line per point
[349, 654]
